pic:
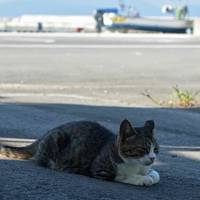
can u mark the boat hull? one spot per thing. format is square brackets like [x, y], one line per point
[148, 24]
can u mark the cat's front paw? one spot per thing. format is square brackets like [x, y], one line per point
[147, 181]
[154, 175]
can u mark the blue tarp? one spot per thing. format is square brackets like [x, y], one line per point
[107, 10]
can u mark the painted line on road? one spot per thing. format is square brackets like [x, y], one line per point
[109, 46]
[180, 147]
[3, 139]
[29, 39]
[75, 96]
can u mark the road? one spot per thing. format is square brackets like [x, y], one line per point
[47, 80]
[60, 64]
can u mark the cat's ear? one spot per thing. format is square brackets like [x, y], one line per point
[126, 130]
[149, 124]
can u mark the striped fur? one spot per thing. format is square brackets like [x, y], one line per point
[26, 152]
[89, 148]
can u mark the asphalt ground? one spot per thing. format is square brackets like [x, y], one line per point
[49, 79]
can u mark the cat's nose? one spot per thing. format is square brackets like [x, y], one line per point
[152, 159]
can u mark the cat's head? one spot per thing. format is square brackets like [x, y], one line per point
[137, 145]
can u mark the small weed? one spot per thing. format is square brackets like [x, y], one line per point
[184, 98]
[180, 98]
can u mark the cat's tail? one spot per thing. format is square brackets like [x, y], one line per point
[23, 153]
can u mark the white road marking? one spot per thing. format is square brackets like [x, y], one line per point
[3, 139]
[181, 147]
[99, 46]
[28, 39]
[46, 95]
[194, 155]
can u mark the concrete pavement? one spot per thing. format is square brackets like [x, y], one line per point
[120, 67]
[43, 87]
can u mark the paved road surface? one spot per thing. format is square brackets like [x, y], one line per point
[106, 65]
[47, 81]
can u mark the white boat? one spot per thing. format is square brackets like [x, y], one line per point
[117, 22]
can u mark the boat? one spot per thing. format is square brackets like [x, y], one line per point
[130, 19]
[117, 22]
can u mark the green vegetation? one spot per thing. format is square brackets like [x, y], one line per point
[179, 98]
[184, 98]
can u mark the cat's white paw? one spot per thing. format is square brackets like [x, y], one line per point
[137, 180]
[147, 181]
[154, 175]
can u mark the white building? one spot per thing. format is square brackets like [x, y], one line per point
[49, 23]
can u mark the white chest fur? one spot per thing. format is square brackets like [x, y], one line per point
[126, 170]
[136, 174]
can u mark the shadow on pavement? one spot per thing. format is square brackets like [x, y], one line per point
[177, 131]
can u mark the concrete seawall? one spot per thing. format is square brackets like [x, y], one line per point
[47, 23]
[50, 23]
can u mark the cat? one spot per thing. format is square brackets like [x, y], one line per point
[88, 148]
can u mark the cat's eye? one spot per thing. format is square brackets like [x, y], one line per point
[156, 150]
[131, 153]
[136, 152]
[142, 149]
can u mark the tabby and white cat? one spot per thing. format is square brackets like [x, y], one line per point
[90, 149]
